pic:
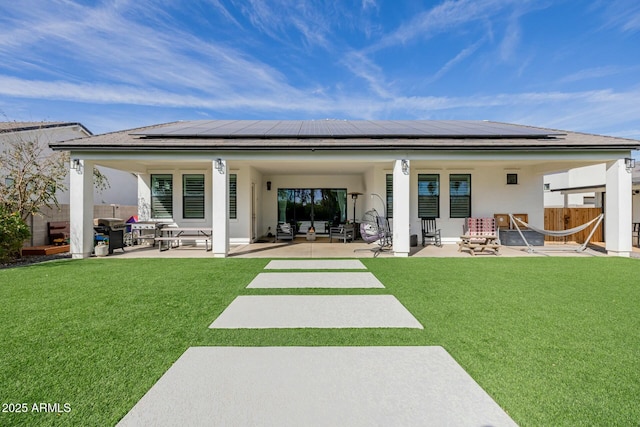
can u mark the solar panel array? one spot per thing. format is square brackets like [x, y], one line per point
[344, 129]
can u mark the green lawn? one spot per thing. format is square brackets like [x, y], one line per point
[555, 341]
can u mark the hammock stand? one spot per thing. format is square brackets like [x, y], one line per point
[558, 233]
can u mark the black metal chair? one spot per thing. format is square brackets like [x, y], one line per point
[431, 232]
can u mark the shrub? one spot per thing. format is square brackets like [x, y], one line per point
[13, 232]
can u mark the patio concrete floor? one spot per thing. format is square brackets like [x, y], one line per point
[320, 249]
[332, 250]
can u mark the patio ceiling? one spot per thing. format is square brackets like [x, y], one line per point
[340, 166]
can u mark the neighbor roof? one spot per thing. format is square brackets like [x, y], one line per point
[341, 135]
[6, 127]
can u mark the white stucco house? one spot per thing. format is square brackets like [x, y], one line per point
[242, 178]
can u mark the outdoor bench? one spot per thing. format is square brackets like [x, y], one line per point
[176, 235]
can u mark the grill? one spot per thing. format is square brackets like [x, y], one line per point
[146, 230]
[113, 229]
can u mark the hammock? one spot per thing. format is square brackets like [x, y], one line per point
[558, 233]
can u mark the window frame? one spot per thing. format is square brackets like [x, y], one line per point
[168, 207]
[452, 202]
[233, 196]
[188, 198]
[423, 178]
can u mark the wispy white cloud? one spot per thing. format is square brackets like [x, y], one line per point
[595, 73]
[362, 67]
[448, 15]
[586, 110]
[369, 4]
[623, 15]
[511, 39]
[461, 56]
[121, 52]
[276, 19]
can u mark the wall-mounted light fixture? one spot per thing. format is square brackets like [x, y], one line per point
[76, 165]
[629, 163]
[405, 167]
[268, 185]
[220, 166]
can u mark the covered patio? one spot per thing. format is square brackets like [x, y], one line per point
[241, 179]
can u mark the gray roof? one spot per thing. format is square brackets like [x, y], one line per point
[6, 127]
[258, 135]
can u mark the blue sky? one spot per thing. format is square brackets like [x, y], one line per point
[112, 65]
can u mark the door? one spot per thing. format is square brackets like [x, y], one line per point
[254, 225]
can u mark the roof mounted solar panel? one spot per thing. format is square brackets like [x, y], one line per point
[345, 129]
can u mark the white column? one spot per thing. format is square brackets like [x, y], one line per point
[81, 207]
[401, 208]
[617, 213]
[220, 209]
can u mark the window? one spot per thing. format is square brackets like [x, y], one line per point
[389, 195]
[162, 196]
[233, 196]
[193, 196]
[428, 195]
[459, 196]
[512, 178]
[317, 205]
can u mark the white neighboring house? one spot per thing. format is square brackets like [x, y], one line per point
[123, 185]
[586, 187]
[243, 177]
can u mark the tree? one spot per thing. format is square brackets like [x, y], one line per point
[33, 174]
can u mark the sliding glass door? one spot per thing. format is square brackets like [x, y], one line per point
[317, 207]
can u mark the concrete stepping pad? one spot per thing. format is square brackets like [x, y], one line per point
[316, 386]
[315, 311]
[316, 280]
[315, 264]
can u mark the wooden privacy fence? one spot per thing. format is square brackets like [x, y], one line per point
[565, 218]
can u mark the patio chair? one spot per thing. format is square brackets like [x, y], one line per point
[284, 231]
[343, 232]
[375, 229]
[430, 232]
